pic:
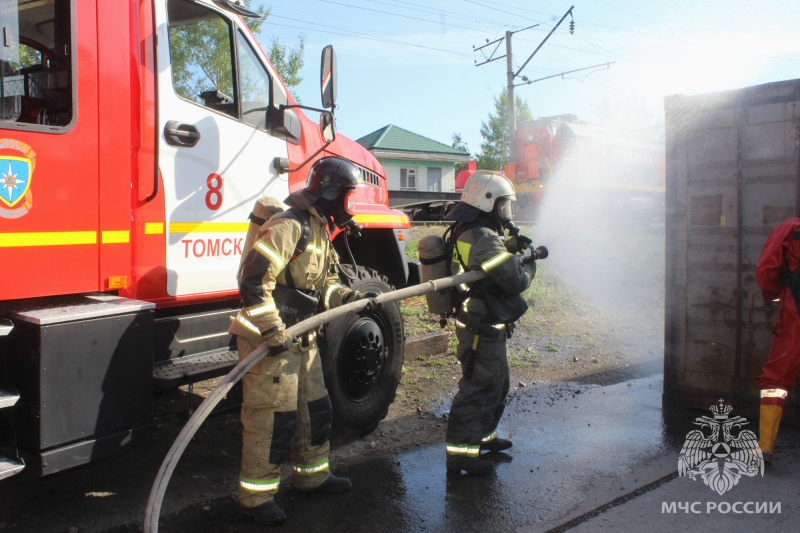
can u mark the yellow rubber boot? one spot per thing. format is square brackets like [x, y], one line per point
[769, 421]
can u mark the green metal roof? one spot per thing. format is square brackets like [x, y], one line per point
[392, 137]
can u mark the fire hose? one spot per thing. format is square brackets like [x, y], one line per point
[153, 509]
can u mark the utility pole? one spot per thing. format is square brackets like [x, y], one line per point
[512, 111]
[510, 75]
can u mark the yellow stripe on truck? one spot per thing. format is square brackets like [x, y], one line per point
[153, 228]
[381, 219]
[115, 237]
[208, 227]
[48, 238]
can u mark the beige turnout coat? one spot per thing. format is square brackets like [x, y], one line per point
[270, 257]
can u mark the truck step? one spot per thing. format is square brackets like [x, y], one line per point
[193, 368]
[5, 327]
[9, 467]
[7, 399]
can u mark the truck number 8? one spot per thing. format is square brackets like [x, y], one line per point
[214, 194]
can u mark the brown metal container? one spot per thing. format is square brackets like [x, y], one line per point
[733, 173]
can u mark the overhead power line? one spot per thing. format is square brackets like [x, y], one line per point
[352, 33]
[399, 15]
[561, 75]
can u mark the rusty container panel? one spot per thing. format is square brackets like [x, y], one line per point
[733, 173]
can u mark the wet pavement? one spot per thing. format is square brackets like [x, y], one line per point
[585, 458]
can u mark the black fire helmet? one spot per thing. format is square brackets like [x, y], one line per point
[330, 181]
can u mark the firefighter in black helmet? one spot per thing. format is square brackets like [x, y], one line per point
[331, 188]
[486, 315]
[286, 411]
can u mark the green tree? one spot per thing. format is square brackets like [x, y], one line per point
[494, 148]
[28, 56]
[287, 60]
[201, 58]
[458, 143]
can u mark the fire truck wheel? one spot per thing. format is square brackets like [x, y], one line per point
[362, 356]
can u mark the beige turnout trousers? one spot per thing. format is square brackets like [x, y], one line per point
[286, 415]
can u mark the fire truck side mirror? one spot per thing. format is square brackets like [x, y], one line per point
[328, 126]
[286, 124]
[328, 77]
[283, 119]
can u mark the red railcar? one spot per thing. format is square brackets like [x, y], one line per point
[614, 165]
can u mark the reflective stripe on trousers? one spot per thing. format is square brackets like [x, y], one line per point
[470, 450]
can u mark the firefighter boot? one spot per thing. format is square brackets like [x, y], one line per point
[496, 445]
[335, 484]
[470, 465]
[769, 421]
[268, 513]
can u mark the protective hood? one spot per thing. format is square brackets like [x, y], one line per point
[463, 212]
[302, 199]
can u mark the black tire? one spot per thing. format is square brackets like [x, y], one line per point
[362, 356]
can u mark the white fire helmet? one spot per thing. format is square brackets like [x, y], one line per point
[484, 187]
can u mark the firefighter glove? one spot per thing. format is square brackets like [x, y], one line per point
[528, 265]
[373, 306]
[517, 243]
[288, 340]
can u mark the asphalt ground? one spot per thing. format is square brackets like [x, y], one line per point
[586, 457]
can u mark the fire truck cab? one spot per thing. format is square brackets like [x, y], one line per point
[135, 138]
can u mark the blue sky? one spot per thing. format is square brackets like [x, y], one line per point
[411, 63]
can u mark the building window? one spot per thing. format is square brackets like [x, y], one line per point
[408, 179]
[434, 179]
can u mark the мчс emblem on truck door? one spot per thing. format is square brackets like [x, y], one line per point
[17, 161]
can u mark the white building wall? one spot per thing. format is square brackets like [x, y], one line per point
[392, 169]
[448, 179]
[392, 177]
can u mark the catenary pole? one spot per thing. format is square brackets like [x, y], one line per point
[512, 113]
[153, 509]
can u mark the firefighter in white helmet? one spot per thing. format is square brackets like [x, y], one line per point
[286, 411]
[486, 315]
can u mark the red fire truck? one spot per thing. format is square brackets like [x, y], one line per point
[136, 138]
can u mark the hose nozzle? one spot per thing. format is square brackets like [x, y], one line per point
[540, 253]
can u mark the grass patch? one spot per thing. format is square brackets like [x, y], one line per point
[412, 251]
[409, 311]
[548, 294]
